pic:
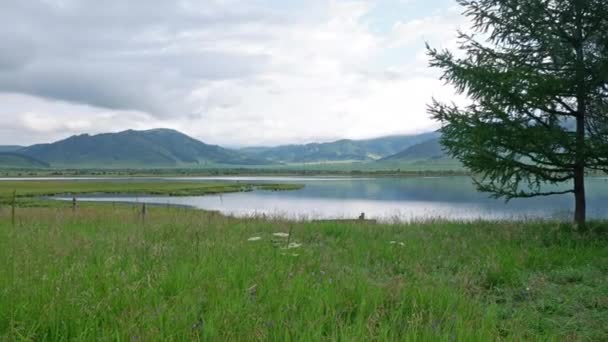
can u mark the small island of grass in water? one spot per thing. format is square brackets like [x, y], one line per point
[28, 191]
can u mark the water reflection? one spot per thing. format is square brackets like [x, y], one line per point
[410, 198]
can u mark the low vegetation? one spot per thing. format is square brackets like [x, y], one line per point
[376, 169]
[105, 272]
[25, 190]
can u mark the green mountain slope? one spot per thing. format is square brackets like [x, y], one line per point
[429, 149]
[341, 150]
[10, 148]
[151, 148]
[16, 160]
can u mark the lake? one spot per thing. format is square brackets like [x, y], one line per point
[386, 198]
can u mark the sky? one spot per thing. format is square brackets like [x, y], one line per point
[228, 72]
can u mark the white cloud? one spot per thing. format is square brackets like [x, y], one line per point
[26, 119]
[224, 72]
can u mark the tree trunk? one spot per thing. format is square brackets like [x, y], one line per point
[580, 205]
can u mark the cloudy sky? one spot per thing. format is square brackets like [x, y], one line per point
[229, 72]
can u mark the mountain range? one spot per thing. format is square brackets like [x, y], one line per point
[10, 148]
[166, 148]
[428, 149]
[340, 150]
[16, 160]
[151, 148]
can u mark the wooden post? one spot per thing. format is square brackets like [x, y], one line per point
[73, 204]
[143, 212]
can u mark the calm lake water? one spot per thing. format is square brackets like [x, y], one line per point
[410, 198]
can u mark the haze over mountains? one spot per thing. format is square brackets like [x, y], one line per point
[169, 148]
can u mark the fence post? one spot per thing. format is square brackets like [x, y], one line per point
[73, 203]
[13, 200]
[143, 212]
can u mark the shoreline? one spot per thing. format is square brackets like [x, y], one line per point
[389, 220]
[19, 173]
[92, 174]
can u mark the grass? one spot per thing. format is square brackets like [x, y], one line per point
[28, 189]
[103, 272]
[370, 168]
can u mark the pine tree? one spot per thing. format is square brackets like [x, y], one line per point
[536, 74]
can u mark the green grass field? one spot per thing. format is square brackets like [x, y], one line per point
[427, 167]
[104, 272]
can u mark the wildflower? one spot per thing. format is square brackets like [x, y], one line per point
[294, 245]
[254, 238]
[281, 234]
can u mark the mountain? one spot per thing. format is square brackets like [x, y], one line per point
[428, 149]
[16, 160]
[151, 148]
[10, 148]
[340, 150]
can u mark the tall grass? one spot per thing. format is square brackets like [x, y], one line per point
[101, 273]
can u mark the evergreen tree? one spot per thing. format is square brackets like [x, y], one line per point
[536, 72]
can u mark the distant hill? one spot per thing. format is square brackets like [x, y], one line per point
[168, 148]
[16, 160]
[151, 148]
[429, 149]
[341, 150]
[10, 148]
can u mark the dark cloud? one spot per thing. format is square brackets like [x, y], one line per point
[155, 83]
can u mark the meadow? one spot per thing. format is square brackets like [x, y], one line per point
[349, 168]
[107, 272]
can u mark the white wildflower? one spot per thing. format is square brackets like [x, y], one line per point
[281, 234]
[254, 238]
[294, 245]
